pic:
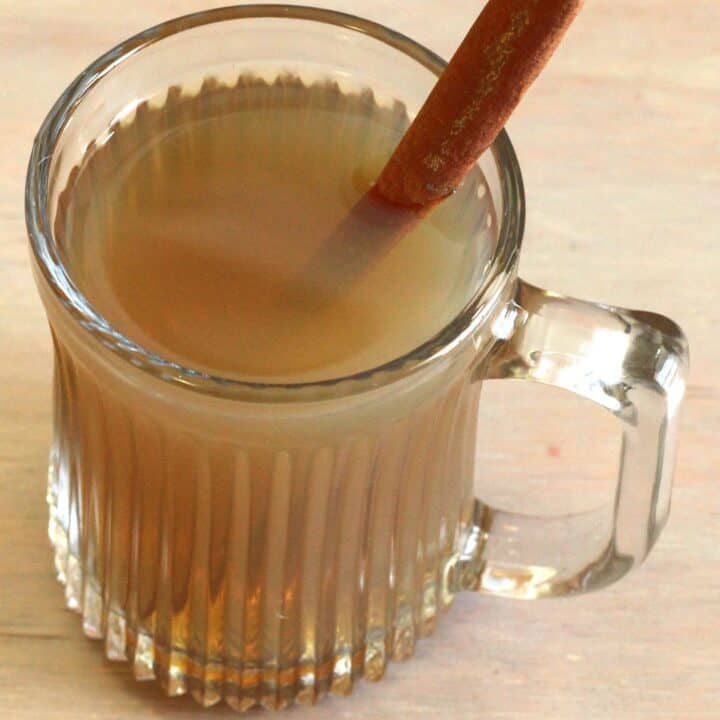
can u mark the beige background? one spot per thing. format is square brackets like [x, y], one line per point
[620, 146]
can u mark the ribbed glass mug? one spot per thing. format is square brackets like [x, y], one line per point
[267, 543]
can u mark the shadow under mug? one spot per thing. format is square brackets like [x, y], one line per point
[265, 543]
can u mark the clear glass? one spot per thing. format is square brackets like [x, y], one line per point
[264, 543]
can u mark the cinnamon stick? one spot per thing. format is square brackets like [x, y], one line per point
[504, 51]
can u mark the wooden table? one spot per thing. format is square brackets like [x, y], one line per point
[620, 150]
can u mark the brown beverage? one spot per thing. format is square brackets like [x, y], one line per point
[211, 209]
[258, 553]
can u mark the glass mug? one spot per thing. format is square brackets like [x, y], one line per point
[264, 543]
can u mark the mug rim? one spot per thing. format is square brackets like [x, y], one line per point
[442, 343]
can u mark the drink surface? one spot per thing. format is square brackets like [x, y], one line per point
[191, 227]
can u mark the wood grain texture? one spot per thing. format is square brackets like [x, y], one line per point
[619, 146]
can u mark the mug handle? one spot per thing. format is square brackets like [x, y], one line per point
[629, 362]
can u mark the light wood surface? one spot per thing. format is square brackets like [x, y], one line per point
[619, 146]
